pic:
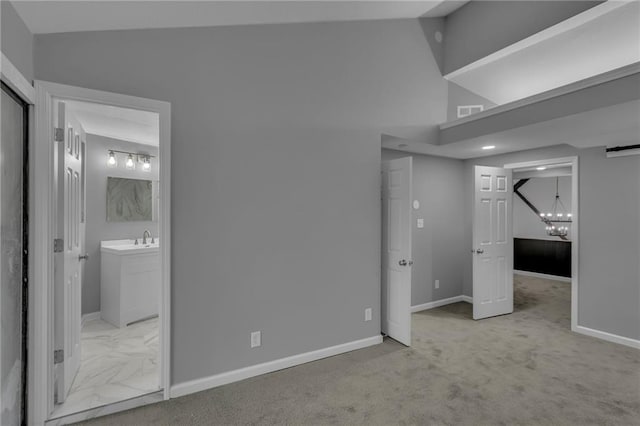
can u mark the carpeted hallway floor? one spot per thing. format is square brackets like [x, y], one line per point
[527, 368]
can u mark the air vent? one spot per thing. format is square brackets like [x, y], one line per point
[623, 151]
[465, 110]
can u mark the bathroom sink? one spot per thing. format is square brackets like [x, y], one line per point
[125, 247]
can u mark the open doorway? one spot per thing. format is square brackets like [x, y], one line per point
[545, 225]
[106, 318]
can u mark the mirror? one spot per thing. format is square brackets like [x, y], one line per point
[129, 200]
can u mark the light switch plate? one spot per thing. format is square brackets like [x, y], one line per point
[420, 223]
[367, 314]
[256, 339]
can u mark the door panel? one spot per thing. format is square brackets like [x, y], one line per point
[67, 312]
[492, 243]
[12, 266]
[396, 249]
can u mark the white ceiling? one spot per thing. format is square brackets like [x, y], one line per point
[615, 125]
[601, 39]
[118, 123]
[95, 15]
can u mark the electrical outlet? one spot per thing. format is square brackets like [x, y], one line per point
[437, 283]
[256, 339]
[367, 314]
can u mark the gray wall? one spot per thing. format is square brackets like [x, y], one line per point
[541, 192]
[98, 229]
[609, 240]
[438, 249]
[480, 28]
[275, 171]
[17, 40]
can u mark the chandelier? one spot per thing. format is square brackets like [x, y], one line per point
[557, 216]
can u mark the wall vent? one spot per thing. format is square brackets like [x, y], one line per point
[465, 110]
[623, 151]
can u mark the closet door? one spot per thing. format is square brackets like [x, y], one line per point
[12, 254]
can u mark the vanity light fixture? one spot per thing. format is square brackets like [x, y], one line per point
[488, 147]
[131, 160]
[130, 164]
[112, 162]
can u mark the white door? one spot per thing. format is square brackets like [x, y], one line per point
[68, 257]
[492, 243]
[396, 249]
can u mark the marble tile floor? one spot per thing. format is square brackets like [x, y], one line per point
[117, 364]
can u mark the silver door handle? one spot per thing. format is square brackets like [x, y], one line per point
[405, 263]
[83, 257]
[479, 251]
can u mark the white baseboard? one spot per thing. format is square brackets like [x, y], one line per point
[436, 303]
[441, 302]
[545, 276]
[626, 341]
[90, 316]
[205, 383]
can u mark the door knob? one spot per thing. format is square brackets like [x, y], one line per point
[83, 257]
[403, 262]
[479, 251]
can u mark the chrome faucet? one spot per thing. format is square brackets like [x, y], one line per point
[145, 235]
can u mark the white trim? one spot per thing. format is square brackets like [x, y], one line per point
[575, 226]
[467, 299]
[104, 410]
[546, 34]
[41, 260]
[549, 94]
[609, 337]
[436, 303]
[90, 317]
[205, 383]
[539, 275]
[18, 83]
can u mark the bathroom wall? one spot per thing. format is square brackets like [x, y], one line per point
[439, 247]
[98, 229]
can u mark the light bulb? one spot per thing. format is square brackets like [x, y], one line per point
[559, 214]
[111, 162]
[541, 214]
[146, 165]
[569, 215]
[129, 164]
[549, 215]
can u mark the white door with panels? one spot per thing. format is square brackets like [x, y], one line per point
[69, 244]
[492, 242]
[396, 249]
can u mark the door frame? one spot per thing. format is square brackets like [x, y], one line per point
[43, 228]
[575, 228]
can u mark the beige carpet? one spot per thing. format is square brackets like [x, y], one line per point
[527, 368]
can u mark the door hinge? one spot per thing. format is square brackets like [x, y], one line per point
[58, 245]
[58, 356]
[58, 134]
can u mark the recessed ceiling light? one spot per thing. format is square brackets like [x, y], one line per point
[541, 168]
[488, 147]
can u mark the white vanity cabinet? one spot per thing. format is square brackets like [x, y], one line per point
[130, 281]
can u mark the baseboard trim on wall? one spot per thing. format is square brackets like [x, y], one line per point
[467, 299]
[90, 316]
[545, 276]
[216, 380]
[626, 341]
[436, 303]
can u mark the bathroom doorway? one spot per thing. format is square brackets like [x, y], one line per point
[109, 303]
